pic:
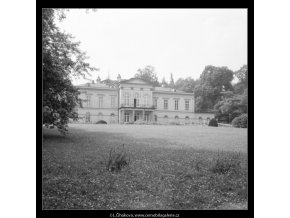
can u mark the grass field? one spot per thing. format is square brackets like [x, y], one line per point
[172, 167]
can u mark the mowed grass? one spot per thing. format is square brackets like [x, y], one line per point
[172, 167]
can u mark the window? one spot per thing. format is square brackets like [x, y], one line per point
[88, 100]
[165, 104]
[137, 97]
[126, 116]
[112, 101]
[187, 105]
[127, 99]
[155, 102]
[146, 100]
[155, 118]
[176, 104]
[100, 101]
[176, 117]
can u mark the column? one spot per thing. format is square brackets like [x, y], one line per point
[133, 115]
[120, 116]
[143, 114]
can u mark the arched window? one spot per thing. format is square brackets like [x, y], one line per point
[187, 121]
[207, 120]
[112, 117]
[166, 119]
[100, 116]
[200, 120]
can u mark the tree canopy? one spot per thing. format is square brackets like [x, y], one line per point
[148, 75]
[62, 60]
[208, 90]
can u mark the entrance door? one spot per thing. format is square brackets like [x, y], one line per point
[137, 116]
[126, 117]
[146, 117]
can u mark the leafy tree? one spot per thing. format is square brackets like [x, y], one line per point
[208, 90]
[242, 75]
[62, 59]
[186, 85]
[148, 75]
[230, 106]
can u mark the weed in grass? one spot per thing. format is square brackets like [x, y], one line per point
[118, 159]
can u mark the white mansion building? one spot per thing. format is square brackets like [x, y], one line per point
[136, 101]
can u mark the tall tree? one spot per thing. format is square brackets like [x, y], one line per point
[242, 75]
[213, 81]
[148, 75]
[171, 84]
[164, 83]
[186, 85]
[62, 60]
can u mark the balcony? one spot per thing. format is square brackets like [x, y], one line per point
[137, 106]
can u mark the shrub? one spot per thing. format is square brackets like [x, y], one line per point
[118, 158]
[213, 122]
[241, 121]
[101, 122]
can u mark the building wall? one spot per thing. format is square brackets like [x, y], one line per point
[132, 90]
[97, 112]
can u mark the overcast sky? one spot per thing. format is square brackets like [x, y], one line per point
[177, 41]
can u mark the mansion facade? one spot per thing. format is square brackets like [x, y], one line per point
[136, 101]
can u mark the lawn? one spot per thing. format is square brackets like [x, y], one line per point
[171, 167]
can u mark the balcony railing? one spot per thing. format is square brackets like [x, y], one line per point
[138, 106]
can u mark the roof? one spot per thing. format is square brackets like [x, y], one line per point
[170, 90]
[136, 81]
[94, 85]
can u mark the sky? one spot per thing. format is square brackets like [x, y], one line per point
[177, 41]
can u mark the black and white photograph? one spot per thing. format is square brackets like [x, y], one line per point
[144, 109]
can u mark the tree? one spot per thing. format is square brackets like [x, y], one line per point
[186, 85]
[171, 84]
[208, 90]
[62, 60]
[164, 83]
[148, 75]
[230, 107]
[234, 103]
[242, 75]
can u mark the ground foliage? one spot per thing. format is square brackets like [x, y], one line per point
[75, 175]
